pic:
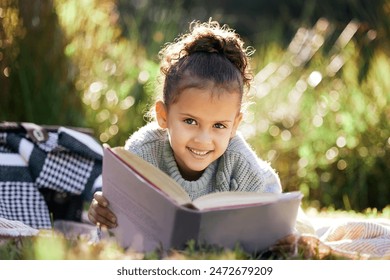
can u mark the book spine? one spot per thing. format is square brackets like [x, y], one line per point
[186, 227]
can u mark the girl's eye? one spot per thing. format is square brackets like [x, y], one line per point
[219, 126]
[190, 121]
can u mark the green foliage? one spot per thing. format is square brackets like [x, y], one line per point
[152, 23]
[112, 72]
[36, 85]
[324, 130]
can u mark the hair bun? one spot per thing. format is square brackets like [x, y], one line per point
[207, 43]
[212, 38]
[208, 37]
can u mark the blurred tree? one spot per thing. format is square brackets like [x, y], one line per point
[152, 23]
[263, 22]
[114, 77]
[325, 130]
[36, 82]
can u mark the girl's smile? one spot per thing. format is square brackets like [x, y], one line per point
[200, 154]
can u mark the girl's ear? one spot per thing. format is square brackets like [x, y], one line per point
[237, 122]
[161, 114]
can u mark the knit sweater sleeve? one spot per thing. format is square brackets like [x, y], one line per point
[245, 171]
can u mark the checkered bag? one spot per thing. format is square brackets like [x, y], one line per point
[41, 167]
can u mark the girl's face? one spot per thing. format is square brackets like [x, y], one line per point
[200, 126]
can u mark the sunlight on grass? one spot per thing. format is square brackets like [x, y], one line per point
[50, 245]
[369, 213]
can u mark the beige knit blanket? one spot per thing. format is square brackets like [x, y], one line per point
[344, 238]
[10, 228]
[369, 239]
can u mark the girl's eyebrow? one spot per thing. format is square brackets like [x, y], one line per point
[196, 118]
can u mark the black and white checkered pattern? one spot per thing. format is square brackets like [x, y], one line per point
[69, 161]
[65, 171]
[20, 201]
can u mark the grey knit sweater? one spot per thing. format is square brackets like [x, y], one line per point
[238, 169]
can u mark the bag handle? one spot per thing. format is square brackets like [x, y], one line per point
[37, 133]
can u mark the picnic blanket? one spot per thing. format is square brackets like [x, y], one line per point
[363, 239]
[15, 229]
[68, 162]
[345, 238]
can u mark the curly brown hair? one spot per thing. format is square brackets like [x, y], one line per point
[208, 52]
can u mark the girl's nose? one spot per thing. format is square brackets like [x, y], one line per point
[203, 137]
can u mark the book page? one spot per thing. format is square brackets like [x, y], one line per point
[238, 199]
[153, 175]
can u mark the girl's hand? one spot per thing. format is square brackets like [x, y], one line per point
[99, 213]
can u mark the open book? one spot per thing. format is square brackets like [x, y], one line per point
[154, 211]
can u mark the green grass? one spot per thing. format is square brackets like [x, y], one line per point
[55, 247]
[50, 245]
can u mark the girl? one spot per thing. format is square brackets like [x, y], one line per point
[195, 138]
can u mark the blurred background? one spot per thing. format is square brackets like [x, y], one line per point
[320, 100]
